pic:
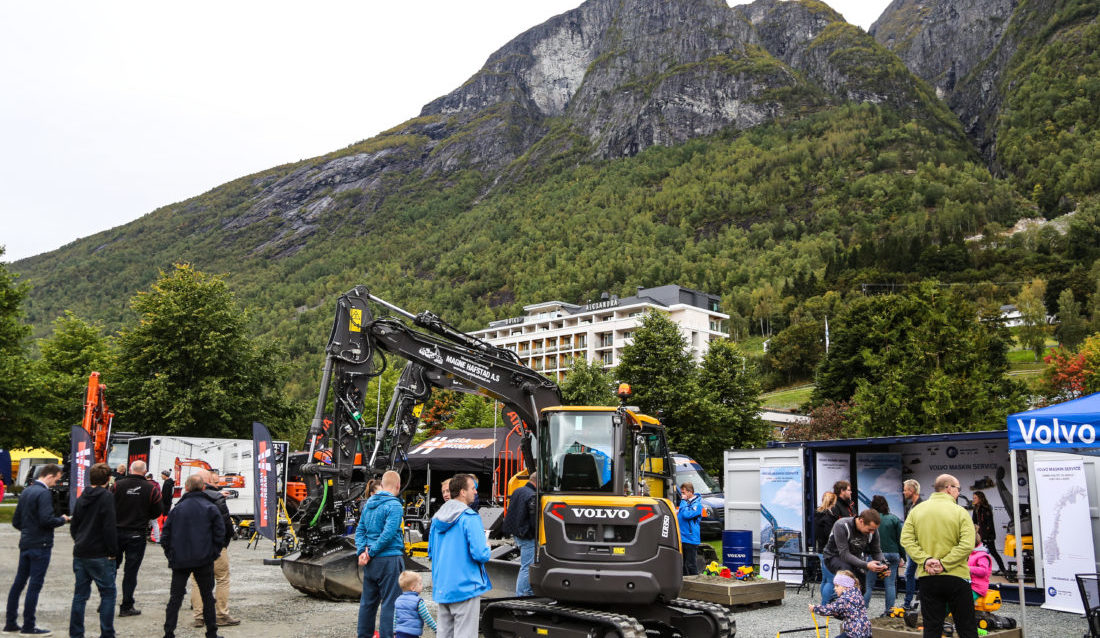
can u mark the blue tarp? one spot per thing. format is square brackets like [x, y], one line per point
[1065, 427]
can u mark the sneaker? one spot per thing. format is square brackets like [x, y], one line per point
[12, 629]
[228, 621]
[37, 631]
[129, 612]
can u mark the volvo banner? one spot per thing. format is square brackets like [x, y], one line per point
[266, 496]
[80, 461]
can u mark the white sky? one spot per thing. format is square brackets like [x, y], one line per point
[111, 109]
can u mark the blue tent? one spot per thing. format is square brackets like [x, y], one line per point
[1064, 427]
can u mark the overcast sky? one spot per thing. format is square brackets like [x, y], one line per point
[113, 109]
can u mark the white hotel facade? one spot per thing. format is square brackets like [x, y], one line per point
[553, 333]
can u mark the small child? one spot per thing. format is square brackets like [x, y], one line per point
[981, 567]
[847, 606]
[410, 612]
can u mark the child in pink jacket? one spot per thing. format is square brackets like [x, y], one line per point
[981, 566]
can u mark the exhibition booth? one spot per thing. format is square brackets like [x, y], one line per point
[780, 486]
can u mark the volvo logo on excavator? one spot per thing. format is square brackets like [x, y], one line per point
[602, 512]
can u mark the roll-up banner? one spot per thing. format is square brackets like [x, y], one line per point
[80, 461]
[781, 521]
[831, 467]
[1066, 530]
[5, 467]
[879, 473]
[266, 496]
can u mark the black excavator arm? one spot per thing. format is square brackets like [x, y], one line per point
[439, 356]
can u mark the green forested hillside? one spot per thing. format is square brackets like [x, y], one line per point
[828, 196]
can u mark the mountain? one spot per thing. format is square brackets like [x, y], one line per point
[1021, 76]
[765, 152]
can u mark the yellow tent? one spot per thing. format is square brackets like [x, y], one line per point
[28, 458]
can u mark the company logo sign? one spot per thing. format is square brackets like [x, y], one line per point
[263, 465]
[599, 512]
[1056, 433]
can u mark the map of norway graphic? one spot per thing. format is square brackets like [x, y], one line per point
[1051, 547]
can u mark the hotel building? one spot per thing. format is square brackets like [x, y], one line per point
[553, 333]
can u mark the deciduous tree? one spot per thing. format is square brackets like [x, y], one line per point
[188, 366]
[1033, 314]
[587, 384]
[17, 429]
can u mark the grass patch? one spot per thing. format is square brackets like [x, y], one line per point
[787, 398]
[8, 510]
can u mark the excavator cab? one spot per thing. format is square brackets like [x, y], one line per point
[608, 527]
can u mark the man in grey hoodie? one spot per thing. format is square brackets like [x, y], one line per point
[458, 550]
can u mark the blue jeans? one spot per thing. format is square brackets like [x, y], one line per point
[890, 581]
[526, 557]
[102, 571]
[380, 588]
[910, 581]
[827, 590]
[32, 568]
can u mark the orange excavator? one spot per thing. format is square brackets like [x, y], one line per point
[97, 418]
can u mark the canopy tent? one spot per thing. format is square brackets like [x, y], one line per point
[475, 450]
[1064, 427]
[33, 456]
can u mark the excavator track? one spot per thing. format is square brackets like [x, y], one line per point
[721, 616]
[539, 619]
[542, 618]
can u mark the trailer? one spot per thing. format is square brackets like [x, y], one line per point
[230, 458]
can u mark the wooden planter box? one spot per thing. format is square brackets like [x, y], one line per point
[731, 592]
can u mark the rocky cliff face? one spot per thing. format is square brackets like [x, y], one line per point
[608, 79]
[961, 47]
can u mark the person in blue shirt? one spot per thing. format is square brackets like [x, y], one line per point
[459, 551]
[382, 555]
[35, 520]
[410, 612]
[691, 510]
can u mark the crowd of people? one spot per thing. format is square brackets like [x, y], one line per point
[949, 558]
[110, 525]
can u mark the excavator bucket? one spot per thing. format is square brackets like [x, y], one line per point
[333, 573]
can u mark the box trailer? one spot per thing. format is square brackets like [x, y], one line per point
[230, 458]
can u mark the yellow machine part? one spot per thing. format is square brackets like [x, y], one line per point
[990, 602]
[1010, 544]
[417, 549]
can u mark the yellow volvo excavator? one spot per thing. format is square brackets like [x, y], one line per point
[608, 561]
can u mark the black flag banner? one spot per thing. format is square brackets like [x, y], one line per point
[266, 496]
[80, 461]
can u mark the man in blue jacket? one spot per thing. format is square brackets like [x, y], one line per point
[192, 538]
[382, 556]
[458, 550]
[691, 510]
[35, 520]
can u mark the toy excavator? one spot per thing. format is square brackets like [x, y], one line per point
[983, 611]
[608, 560]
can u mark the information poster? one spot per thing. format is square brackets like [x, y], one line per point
[878, 473]
[831, 467]
[980, 465]
[780, 521]
[1066, 530]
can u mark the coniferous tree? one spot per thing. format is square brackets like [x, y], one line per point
[1072, 325]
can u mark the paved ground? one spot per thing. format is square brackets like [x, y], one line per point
[269, 608]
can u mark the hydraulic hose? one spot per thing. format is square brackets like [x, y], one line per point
[324, 499]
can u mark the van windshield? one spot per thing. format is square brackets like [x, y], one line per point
[699, 479]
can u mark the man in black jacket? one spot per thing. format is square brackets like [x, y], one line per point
[137, 501]
[221, 565]
[192, 538]
[35, 520]
[167, 489]
[95, 545]
[844, 505]
[521, 523]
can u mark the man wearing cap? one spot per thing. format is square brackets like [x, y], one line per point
[167, 489]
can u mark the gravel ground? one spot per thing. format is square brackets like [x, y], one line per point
[269, 608]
